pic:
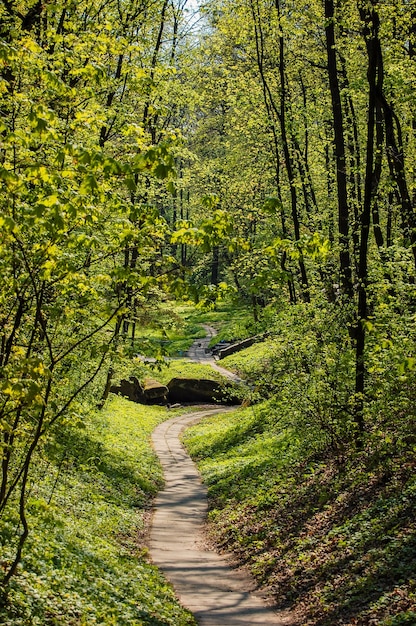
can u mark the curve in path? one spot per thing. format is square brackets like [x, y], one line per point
[216, 594]
[198, 353]
[198, 350]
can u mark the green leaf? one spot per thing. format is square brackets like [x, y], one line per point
[272, 205]
[89, 185]
[162, 171]
[130, 184]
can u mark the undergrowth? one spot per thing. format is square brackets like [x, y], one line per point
[232, 321]
[85, 562]
[332, 540]
[171, 333]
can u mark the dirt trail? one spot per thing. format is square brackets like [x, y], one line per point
[214, 592]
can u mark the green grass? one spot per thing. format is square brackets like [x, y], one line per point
[167, 341]
[232, 321]
[181, 368]
[336, 542]
[85, 562]
[223, 313]
[178, 325]
[251, 362]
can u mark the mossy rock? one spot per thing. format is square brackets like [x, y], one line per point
[186, 390]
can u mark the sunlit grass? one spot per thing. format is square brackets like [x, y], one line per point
[85, 562]
[181, 368]
[334, 541]
[251, 361]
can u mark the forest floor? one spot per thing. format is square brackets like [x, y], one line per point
[330, 537]
[333, 544]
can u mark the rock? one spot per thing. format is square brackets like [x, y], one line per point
[150, 392]
[184, 390]
[130, 389]
[220, 346]
[154, 392]
[236, 347]
[177, 392]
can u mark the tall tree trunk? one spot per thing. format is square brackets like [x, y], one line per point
[353, 144]
[274, 116]
[412, 55]
[340, 156]
[148, 119]
[393, 130]
[110, 372]
[288, 156]
[215, 265]
[371, 25]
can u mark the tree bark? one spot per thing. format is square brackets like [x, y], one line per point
[371, 26]
[288, 156]
[340, 152]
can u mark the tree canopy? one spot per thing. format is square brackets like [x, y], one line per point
[150, 150]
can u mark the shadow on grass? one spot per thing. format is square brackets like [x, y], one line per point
[86, 583]
[342, 544]
[120, 478]
[370, 582]
[241, 433]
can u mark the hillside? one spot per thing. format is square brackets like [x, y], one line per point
[329, 530]
[332, 539]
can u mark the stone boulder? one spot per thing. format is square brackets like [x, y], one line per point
[236, 347]
[188, 390]
[154, 392]
[148, 392]
[130, 389]
[178, 390]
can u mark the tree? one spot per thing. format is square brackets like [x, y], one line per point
[325, 86]
[75, 156]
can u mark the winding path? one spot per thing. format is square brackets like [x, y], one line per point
[198, 353]
[205, 584]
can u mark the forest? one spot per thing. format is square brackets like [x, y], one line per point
[166, 164]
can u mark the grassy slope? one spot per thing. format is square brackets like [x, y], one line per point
[169, 332]
[186, 327]
[184, 369]
[175, 327]
[85, 562]
[335, 543]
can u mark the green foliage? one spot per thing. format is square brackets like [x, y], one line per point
[180, 368]
[306, 366]
[86, 562]
[137, 161]
[232, 319]
[334, 541]
[406, 618]
[81, 235]
[162, 332]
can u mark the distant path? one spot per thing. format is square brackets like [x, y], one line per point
[198, 353]
[205, 584]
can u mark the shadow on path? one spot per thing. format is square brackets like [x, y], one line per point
[205, 584]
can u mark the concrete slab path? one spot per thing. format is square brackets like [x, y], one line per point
[204, 582]
[198, 354]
